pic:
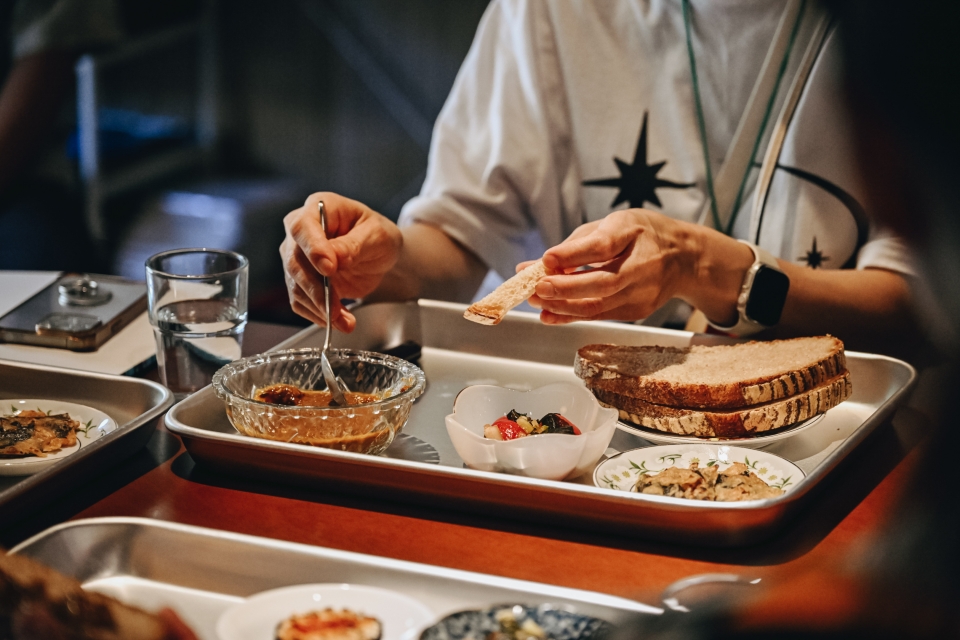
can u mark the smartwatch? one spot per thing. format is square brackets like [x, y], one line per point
[762, 295]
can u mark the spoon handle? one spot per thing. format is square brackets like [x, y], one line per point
[337, 397]
[326, 280]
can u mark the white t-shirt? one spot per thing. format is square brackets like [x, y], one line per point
[565, 111]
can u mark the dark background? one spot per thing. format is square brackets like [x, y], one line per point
[292, 103]
[245, 107]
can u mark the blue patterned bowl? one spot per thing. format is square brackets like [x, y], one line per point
[556, 623]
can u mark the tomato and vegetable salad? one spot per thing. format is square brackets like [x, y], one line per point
[518, 425]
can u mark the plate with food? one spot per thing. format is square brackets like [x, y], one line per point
[751, 392]
[305, 612]
[519, 622]
[554, 432]
[37, 433]
[709, 472]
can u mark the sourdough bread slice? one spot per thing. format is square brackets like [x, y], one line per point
[494, 306]
[735, 423]
[713, 377]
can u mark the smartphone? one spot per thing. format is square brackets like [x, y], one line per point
[78, 312]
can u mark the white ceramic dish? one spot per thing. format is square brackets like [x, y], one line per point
[94, 424]
[622, 471]
[550, 456]
[257, 617]
[753, 442]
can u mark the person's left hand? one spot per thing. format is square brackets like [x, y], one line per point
[623, 267]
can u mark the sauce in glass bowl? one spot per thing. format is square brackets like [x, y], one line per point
[271, 396]
[291, 396]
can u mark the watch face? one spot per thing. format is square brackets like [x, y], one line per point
[767, 295]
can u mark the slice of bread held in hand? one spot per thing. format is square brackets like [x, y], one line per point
[493, 307]
[713, 377]
[730, 423]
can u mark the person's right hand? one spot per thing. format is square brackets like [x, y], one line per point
[359, 248]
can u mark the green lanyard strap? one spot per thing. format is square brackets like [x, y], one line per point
[701, 122]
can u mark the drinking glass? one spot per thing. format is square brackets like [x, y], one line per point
[198, 308]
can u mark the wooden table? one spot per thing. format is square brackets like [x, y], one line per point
[163, 482]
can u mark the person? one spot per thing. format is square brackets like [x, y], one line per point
[41, 216]
[904, 580]
[552, 100]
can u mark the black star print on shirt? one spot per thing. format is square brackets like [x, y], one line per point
[814, 257]
[856, 210]
[638, 181]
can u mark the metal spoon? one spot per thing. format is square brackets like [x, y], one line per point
[337, 397]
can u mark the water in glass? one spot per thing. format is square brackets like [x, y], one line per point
[194, 339]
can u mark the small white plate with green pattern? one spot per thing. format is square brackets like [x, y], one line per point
[94, 424]
[622, 472]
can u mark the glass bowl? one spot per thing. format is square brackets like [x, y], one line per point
[369, 427]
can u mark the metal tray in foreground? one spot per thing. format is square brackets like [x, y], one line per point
[201, 573]
[522, 353]
[135, 405]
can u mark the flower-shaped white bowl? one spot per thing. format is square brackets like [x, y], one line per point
[550, 456]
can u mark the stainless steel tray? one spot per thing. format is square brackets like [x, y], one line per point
[136, 405]
[522, 353]
[200, 572]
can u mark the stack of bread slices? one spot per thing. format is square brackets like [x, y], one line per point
[728, 391]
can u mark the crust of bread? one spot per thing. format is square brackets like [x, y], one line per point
[492, 308]
[750, 390]
[735, 423]
[85, 613]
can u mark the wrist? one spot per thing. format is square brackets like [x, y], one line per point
[762, 297]
[721, 265]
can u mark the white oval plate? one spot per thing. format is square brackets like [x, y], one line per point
[753, 442]
[401, 617]
[622, 471]
[94, 424]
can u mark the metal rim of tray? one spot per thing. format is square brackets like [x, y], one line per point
[41, 478]
[361, 459]
[430, 317]
[805, 484]
[544, 589]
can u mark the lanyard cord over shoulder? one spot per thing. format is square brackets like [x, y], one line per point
[701, 122]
